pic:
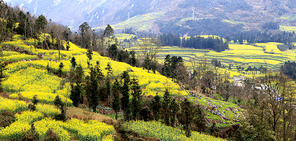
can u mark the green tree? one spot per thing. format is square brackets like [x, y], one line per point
[112, 51]
[75, 94]
[116, 100]
[41, 22]
[73, 62]
[133, 60]
[166, 105]
[100, 75]
[78, 80]
[89, 56]
[125, 95]
[35, 100]
[199, 119]
[60, 69]
[92, 89]
[108, 31]
[186, 116]
[58, 102]
[108, 81]
[22, 28]
[156, 106]
[174, 107]
[2, 69]
[166, 71]
[137, 98]
[84, 29]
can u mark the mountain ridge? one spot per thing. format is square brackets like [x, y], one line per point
[250, 14]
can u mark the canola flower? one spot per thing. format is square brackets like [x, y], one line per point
[153, 83]
[10, 53]
[38, 64]
[43, 126]
[91, 131]
[31, 80]
[108, 138]
[160, 131]
[14, 58]
[48, 110]
[28, 117]
[14, 131]
[12, 105]
[15, 106]
[17, 129]
[47, 98]
[195, 136]
[157, 130]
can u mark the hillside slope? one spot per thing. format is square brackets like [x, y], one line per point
[26, 78]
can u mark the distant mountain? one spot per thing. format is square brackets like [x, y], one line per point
[169, 16]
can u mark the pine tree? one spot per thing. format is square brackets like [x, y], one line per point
[41, 22]
[166, 66]
[92, 90]
[186, 117]
[76, 78]
[133, 60]
[200, 121]
[100, 75]
[73, 62]
[137, 99]
[125, 95]
[75, 94]
[112, 51]
[156, 106]
[174, 107]
[116, 100]
[166, 105]
[2, 69]
[60, 69]
[79, 74]
[108, 31]
[89, 56]
[57, 101]
[34, 101]
[108, 85]
[108, 90]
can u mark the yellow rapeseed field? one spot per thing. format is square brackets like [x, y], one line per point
[160, 131]
[47, 98]
[12, 105]
[31, 80]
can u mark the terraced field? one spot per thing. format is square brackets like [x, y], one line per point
[288, 28]
[238, 55]
[163, 132]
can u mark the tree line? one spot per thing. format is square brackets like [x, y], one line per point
[263, 37]
[196, 42]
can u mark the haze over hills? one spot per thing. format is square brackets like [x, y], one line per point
[172, 16]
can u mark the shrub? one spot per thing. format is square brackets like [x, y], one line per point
[6, 118]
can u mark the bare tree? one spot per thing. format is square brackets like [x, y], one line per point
[150, 47]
